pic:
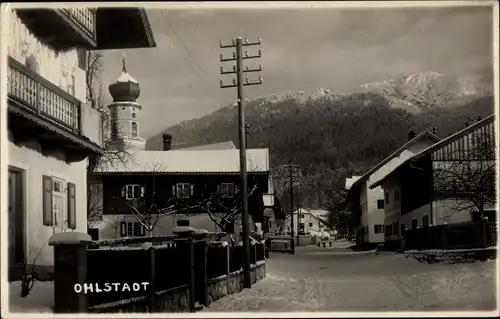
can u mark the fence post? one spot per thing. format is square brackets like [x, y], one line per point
[70, 270]
[201, 276]
[484, 232]
[152, 276]
[228, 268]
[185, 242]
[444, 236]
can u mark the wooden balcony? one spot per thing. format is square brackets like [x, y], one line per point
[39, 109]
[89, 28]
[62, 29]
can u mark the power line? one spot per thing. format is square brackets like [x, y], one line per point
[183, 44]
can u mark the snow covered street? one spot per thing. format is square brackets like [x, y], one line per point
[318, 279]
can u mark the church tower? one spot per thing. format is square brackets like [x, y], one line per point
[125, 113]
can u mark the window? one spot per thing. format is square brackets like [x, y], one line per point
[402, 229]
[227, 190]
[310, 224]
[379, 229]
[396, 195]
[58, 202]
[395, 227]
[414, 223]
[425, 221]
[387, 197]
[388, 230]
[133, 191]
[134, 129]
[131, 229]
[183, 190]
[380, 204]
[82, 58]
[320, 225]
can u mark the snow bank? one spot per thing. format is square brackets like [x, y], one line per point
[40, 299]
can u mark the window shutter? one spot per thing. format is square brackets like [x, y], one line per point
[236, 189]
[48, 219]
[123, 191]
[142, 230]
[142, 191]
[191, 191]
[71, 205]
[123, 229]
[218, 189]
[173, 190]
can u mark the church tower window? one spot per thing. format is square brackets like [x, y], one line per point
[134, 129]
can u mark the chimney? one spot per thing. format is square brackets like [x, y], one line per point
[466, 124]
[434, 130]
[411, 135]
[167, 142]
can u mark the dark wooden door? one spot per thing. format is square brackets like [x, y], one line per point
[16, 224]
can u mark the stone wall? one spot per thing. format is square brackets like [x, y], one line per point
[224, 285]
[172, 300]
[217, 288]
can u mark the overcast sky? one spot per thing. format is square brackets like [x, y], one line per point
[303, 49]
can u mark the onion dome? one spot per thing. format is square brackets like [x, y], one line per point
[126, 88]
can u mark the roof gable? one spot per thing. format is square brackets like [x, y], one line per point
[423, 135]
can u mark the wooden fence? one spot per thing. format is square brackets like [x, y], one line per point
[149, 275]
[465, 235]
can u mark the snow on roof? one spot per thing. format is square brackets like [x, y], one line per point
[125, 77]
[422, 135]
[228, 145]
[194, 161]
[437, 145]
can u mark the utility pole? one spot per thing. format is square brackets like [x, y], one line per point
[299, 214]
[291, 180]
[239, 83]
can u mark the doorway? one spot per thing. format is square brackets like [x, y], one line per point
[16, 232]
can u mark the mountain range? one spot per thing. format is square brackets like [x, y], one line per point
[332, 135]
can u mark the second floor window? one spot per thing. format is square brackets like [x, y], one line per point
[133, 191]
[183, 190]
[380, 204]
[396, 195]
[227, 190]
[387, 198]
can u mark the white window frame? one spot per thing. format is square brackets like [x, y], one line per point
[183, 190]
[396, 195]
[133, 191]
[129, 230]
[225, 190]
[59, 206]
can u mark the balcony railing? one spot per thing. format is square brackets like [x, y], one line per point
[83, 17]
[34, 93]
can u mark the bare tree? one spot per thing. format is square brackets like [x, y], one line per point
[148, 212]
[465, 177]
[113, 154]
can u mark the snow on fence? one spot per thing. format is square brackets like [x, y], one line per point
[168, 275]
